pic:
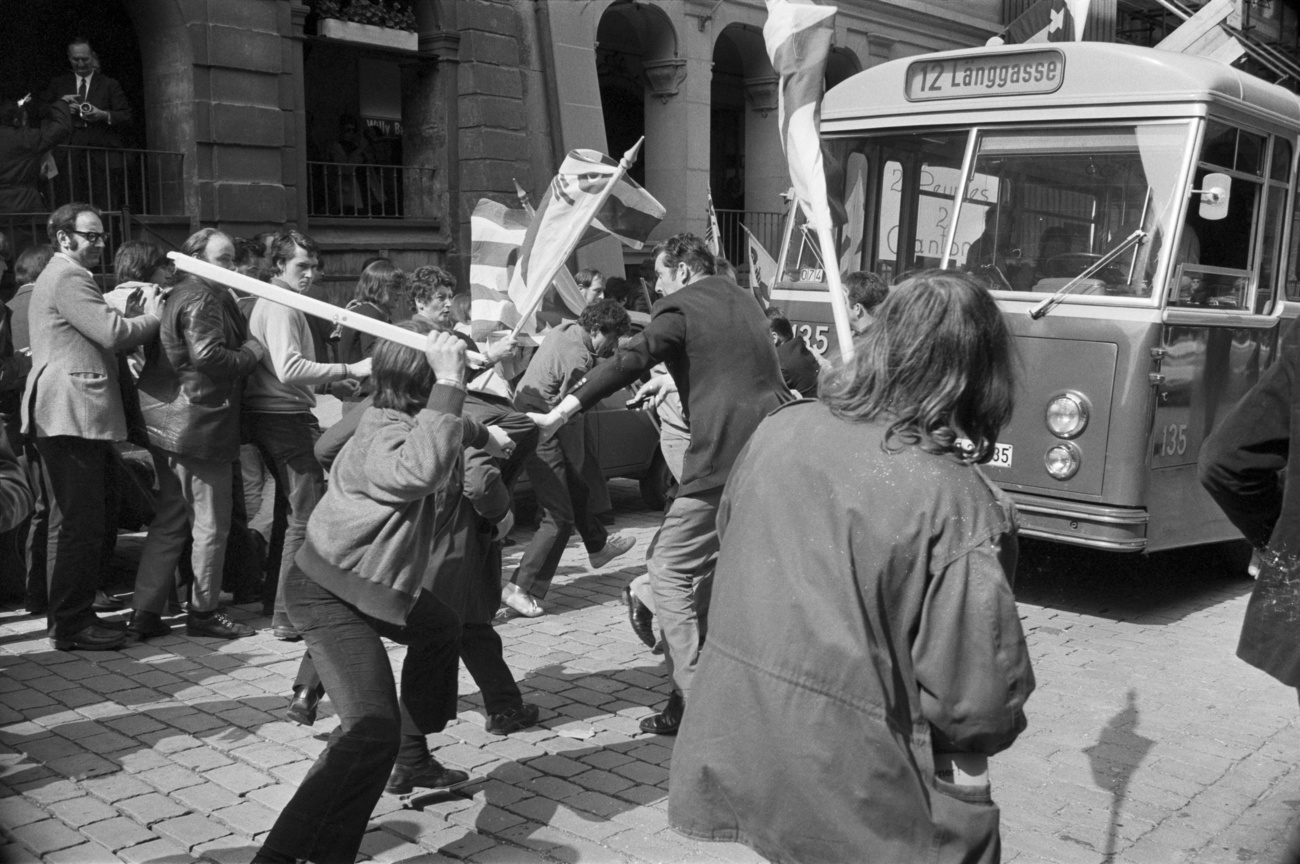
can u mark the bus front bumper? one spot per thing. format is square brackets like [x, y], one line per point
[1120, 529]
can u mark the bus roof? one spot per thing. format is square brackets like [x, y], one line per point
[1096, 75]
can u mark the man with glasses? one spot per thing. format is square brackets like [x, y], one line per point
[73, 407]
[278, 401]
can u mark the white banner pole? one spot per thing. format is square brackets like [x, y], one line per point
[308, 305]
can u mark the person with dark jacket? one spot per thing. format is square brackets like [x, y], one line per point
[799, 367]
[359, 578]
[378, 288]
[108, 113]
[714, 340]
[865, 655]
[189, 395]
[15, 496]
[1250, 465]
[22, 150]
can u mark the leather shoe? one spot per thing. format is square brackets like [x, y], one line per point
[95, 637]
[146, 625]
[667, 721]
[105, 602]
[302, 707]
[282, 628]
[640, 617]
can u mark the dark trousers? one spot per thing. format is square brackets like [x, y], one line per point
[483, 655]
[555, 469]
[327, 817]
[76, 474]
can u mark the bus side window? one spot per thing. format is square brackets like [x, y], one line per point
[1274, 222]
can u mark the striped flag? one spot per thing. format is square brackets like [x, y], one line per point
[497, 232]
[712, 234]
[590, 189]
[762, 269]
[565, 286]
[798, 36]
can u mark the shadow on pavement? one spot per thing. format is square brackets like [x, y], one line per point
[1154, 589]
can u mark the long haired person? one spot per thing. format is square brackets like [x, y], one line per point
[864, 656]
[358, 577]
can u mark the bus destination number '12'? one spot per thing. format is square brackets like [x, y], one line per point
[989, 75]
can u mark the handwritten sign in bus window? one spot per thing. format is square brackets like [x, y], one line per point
[988, 75]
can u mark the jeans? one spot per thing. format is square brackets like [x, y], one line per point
[286, 442]
[38, 529]
[76, 474]
[194, 499]
[555, 469]
[484, 659]
[680, 562]
[327, 817]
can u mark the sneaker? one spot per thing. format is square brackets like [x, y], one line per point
[520, 717]
[218, 625]
[614, 547]
[521, 601]
[427, 775]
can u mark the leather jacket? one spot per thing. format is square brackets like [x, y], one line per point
[192, 380]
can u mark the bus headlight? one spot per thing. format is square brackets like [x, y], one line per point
[1067, 415]
[1063, 460]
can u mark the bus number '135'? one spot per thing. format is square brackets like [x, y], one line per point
[815, 338]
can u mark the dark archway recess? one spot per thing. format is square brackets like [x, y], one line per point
[727, 138]
[37, 33]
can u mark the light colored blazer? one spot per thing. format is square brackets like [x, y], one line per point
[73, 388]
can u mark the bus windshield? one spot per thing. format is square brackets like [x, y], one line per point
[1040, 204]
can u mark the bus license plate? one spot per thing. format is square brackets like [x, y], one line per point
[1001, 453]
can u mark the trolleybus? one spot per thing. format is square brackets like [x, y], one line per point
[1132, 212]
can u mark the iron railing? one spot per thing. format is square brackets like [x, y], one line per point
[28, 229]
[366, 191]
[141, 182]
[765, 226]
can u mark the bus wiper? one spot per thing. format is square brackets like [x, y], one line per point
[1127, 243]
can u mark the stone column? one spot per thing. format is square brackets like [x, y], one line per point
[430, 136]
[677, 128]
[766, 173]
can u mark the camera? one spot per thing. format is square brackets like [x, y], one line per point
[84, 107]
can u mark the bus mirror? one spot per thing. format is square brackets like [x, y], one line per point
[1215, 195]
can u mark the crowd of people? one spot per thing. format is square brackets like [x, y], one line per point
[780, 615]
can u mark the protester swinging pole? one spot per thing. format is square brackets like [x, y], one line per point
[545, 278]
[308, 305]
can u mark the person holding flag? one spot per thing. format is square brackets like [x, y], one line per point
[714, 340]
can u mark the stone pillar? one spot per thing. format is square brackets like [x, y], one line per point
[766, 173]
[430, 135]
[677, 128]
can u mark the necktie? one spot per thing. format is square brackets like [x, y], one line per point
[81, 88]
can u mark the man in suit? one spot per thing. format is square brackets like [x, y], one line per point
[73, 407]
[99, 125]
[714, 340]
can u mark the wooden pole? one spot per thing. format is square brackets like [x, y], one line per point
[308, 305]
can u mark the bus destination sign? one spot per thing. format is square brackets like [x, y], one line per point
[1016, 74]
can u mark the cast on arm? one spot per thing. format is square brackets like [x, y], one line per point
[971, 663]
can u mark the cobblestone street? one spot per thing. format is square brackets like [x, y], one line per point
[1147, 741]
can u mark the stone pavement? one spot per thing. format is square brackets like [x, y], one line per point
[1147, 742]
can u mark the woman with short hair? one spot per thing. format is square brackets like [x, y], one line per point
[864, 655]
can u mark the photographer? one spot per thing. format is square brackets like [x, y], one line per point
[22, 149]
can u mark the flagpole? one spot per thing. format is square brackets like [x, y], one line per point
[791, 214]
[308, 305]
[564, 282]
[629, 158]
[839, 300]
